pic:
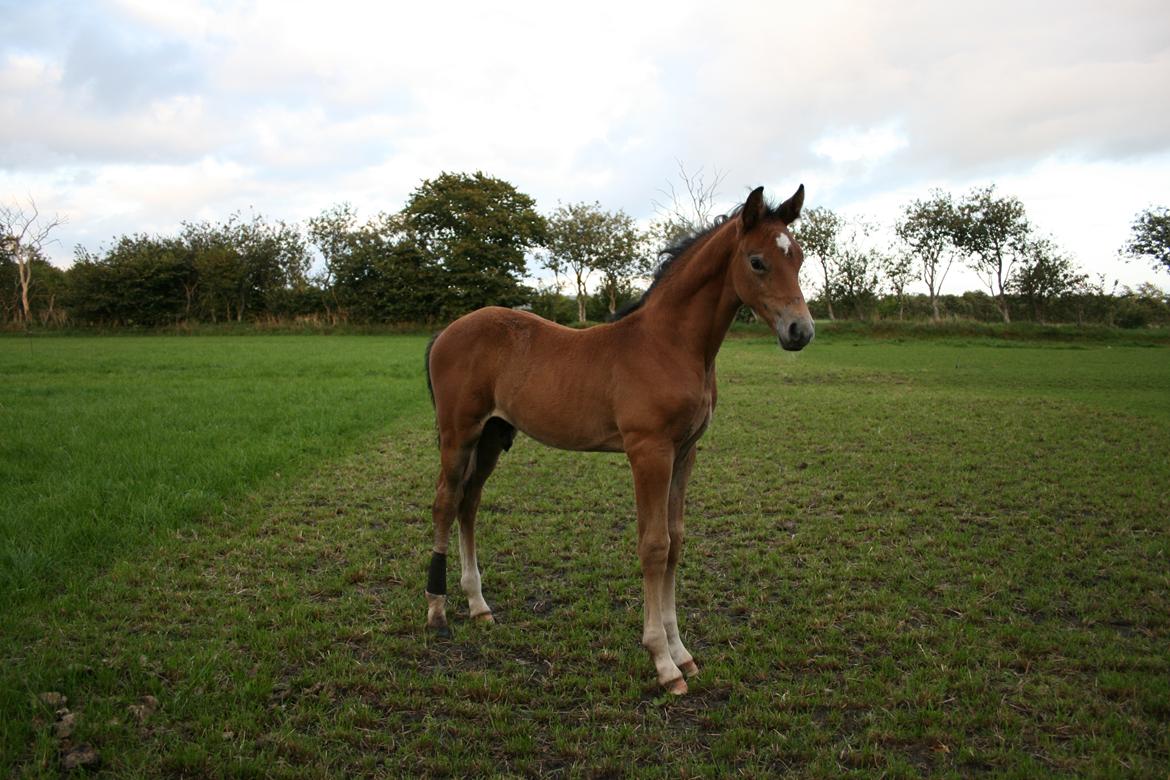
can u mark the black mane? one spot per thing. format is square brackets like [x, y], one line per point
[671, 254]
[667, 259]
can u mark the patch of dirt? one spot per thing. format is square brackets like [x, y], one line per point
[534, 663]
[541, 603]
[80, 757]
[144, 709]
[72, 757]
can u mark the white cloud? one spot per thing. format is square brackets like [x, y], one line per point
[133, 115]
[854, 145]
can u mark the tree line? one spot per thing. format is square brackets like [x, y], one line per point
[463, 241]
[1026, 275]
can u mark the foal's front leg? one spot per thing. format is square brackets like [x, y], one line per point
[652, 462]
[678, 490]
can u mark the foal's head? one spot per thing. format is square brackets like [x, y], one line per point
[766, 268]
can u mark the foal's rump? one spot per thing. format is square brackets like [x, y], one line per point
[533, 374]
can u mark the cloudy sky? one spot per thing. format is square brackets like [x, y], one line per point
[134, 115]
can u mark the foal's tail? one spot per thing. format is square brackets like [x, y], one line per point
[427, 366]
[430, 386]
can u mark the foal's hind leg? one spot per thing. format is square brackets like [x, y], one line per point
[457, 460]
[496, 437]
[678, 489]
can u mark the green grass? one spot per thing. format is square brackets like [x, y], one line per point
[903, 558]
[107, 441]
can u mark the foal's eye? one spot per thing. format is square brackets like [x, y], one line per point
[757, 263]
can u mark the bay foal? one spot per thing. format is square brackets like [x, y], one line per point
[643, 385]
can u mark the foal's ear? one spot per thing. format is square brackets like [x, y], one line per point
[789, 210]
[753, 209]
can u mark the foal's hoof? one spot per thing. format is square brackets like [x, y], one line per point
[690, 668]
[483, 617]
[676, 687]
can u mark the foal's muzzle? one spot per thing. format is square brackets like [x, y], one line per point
[794, 334]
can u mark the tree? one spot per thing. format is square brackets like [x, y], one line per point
[927, 228]
[10, 276]
[331, 232]
[583, 238]
[221, 275]
[276, 259]
[1150, 239]
[138, 281]
[476, 228]
[1081, 295]
[1102, 296]
[23, 235]
[1137, 308]
[245, 268]
[819, 235]
[626, 257]
[1045, 273]
[236, 269]
[855, 285]
[686, 209]
[994, 232]
[898, 268]
[374, 271]
[47, 283]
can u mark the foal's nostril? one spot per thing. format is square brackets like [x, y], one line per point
[795, 335]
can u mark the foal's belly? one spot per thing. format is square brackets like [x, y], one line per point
[581, 441]
[567, 429]
[580, 420]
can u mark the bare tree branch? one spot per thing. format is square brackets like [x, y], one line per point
[690, 210]
[24, 235]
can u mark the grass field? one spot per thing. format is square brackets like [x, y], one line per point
[939, 557]
[107, 440]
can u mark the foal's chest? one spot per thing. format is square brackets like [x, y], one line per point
[704, 410]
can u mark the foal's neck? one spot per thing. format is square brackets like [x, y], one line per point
[694, 306]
